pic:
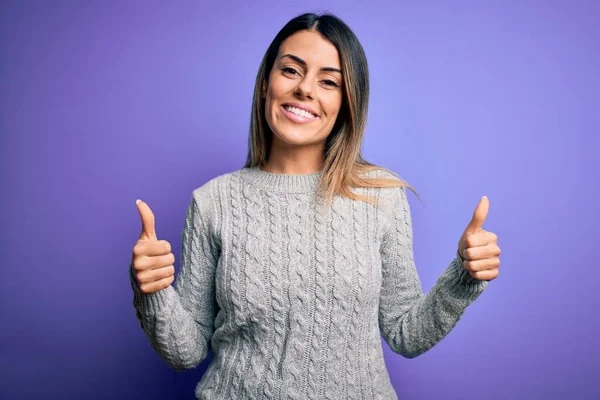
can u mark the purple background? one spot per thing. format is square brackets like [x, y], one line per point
[105, 102]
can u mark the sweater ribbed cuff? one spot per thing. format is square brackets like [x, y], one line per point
[459, 285]
[150, 303]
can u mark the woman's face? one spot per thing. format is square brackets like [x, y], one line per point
[304, 92]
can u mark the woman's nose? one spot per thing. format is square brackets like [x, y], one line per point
[305, 89]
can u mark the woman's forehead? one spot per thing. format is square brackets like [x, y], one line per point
[311, 47]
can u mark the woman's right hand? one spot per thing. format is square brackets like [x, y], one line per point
[153, 262]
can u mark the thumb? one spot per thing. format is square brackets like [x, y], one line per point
[479, 216]
[148, 229]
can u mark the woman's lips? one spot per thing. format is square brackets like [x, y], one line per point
[297, 118]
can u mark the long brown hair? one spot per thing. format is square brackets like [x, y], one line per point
[344, 165]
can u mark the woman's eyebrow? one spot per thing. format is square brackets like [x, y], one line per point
[301, 61]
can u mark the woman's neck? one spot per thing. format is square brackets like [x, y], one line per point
[297, 161]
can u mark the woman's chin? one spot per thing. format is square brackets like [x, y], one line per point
[296, 139]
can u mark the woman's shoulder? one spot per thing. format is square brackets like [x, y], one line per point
[380, 172]
[207, 190]
[391, 187]
[218, 184]
[210, 197]
[387, 181]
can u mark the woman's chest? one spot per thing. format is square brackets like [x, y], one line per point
[295, 255]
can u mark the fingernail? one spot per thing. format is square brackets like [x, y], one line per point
[138, 201]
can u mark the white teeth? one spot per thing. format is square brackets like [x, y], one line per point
[300, 112]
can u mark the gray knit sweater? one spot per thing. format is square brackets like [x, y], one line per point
[292, 296]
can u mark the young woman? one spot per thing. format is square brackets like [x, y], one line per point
[293, 266]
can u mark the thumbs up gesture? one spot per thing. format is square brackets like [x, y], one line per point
[153, 262]
[478, 248]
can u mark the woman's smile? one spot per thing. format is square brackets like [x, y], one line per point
[298, 115]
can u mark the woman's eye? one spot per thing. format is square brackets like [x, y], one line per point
[330, 83]
[289, 70]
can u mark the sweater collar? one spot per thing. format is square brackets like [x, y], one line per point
[282, 183]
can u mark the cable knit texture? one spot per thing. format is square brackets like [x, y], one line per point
[292, 297]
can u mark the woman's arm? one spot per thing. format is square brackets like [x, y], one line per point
[179, 320]
[411, 322]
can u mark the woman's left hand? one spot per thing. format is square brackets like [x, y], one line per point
[479, 248]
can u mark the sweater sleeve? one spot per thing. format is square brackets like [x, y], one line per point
[410, 322]
[179, 320]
